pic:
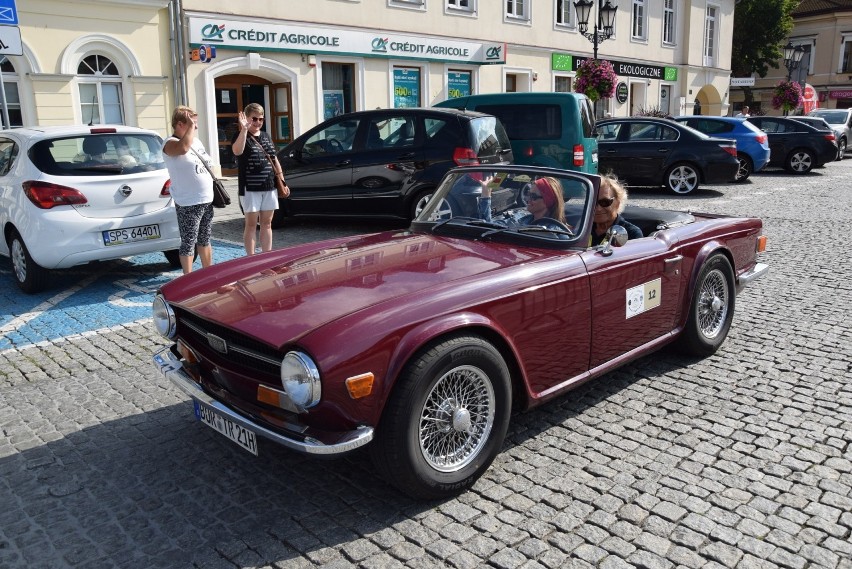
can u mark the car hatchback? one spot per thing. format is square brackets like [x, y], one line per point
[797, 147]
[384, 162]
[752, 143]
[74, 194]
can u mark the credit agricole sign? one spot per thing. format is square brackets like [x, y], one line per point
[282, 36]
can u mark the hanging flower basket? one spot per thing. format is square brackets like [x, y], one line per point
[596, 79]
[787, 96]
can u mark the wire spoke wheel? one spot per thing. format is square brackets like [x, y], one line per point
[456, 419]
[713, 304]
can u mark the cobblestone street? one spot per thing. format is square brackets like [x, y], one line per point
[742, 459]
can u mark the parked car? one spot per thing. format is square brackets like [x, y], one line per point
[74, 194]
[841, 121]
[419, 343]
[546, 129]
[647, 151]
[819, 123]
[797, 147]
[384, 162]
[752, 143]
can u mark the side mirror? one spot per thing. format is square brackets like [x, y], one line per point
[616, 236]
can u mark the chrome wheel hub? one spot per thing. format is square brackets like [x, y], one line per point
[713, 304]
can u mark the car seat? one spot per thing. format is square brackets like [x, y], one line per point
[95, 147]
[374, 139]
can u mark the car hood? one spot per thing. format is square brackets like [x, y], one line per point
[280, 296]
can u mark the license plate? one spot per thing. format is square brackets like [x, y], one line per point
[225, 426]
[131, 234]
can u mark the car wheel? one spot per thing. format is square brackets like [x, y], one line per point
[420, 200]
[682, 178]
[28, 274]
[712, 308]
[445, 420]
[173, 257]
[800, 161]
[745, 169]
[841, 148]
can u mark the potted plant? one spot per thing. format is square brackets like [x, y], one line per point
[787, 96]
[596, 79]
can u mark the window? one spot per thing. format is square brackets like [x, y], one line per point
[338, 89]
[468, 6]
[564, 13]
[100, 91]
[710, 38]
[407, 3]
[517, 9]
[639, 20]
[562, 84]
[406, 87]
[459, 84]
[846, 55]
[669, 29]
[333, 139]
[390, 132]
[13, 99]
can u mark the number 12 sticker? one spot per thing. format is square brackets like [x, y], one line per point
[643, 297]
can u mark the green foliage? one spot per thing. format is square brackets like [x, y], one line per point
[761, 29]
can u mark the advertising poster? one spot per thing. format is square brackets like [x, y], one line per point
[332, 103]
[458, 84]
[406, 88]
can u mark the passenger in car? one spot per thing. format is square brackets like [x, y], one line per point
[612, 199]
[544, 200]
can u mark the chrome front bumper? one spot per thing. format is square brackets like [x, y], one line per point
[172, 368]
[757, 271]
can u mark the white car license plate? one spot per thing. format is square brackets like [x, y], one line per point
[131, 234]
[230, 429]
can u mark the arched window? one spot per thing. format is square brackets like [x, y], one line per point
[100, 91]
[13, 99]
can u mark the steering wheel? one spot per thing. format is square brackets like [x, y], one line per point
[335, 144]
[550, 223]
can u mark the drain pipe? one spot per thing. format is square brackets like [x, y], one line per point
[178, 51]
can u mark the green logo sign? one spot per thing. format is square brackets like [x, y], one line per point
[670, 74]
[561, 62]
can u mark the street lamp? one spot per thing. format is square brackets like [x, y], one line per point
[792, 57]
[603, 28]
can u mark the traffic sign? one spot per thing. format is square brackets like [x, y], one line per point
[10, 41]
[8, 13]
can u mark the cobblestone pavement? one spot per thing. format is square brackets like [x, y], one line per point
[742, 459]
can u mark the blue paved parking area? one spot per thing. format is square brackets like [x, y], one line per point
[87, 298]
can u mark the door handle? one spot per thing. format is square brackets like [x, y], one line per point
[663, 150]
[406, 156]
[343, 163]
[672, 264]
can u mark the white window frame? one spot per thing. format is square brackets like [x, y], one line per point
[571, 21]
[845, 39]
[669, 22]
[455, 7]
[408, 4]
[11, 82]
[710, 47]
[639, 20]
[519, 12]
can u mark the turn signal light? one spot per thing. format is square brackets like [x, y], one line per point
[360, 386]
[45, 195]
[761, 244]
[166, 192]
[579, 155]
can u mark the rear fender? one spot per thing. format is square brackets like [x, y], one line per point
[710, 248]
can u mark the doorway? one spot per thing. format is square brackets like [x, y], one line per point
[233, 93]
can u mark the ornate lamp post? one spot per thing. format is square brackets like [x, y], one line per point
[792, 57]
[603, 28]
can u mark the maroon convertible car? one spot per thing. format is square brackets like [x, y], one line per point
[418, 343]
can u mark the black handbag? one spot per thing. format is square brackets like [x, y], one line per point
[221, 197]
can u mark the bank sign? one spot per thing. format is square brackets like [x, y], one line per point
[276, 36]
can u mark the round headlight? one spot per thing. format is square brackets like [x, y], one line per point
[164, 317]
[301, 380]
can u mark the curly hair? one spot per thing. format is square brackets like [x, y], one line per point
[611, 180]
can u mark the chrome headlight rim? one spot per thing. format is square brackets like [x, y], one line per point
[307, 375]
[165, 322]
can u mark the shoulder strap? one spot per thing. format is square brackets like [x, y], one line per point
[203, 161]
[262, 149]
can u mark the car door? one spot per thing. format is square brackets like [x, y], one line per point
[636, 291]
[640, 153]
[779, 139]
[319, 168]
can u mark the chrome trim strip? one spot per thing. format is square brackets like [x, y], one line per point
[756, 272]
[170, 366]
[233, 348]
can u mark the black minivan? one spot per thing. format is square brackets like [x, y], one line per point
[384, 162]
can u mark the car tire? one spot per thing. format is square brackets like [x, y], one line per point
[445, 420]
[682, 178]
[173, 257]
[30, 276]
[711, 309]
[746, 167]
[422, 198]
[841, 149]
[800, 161]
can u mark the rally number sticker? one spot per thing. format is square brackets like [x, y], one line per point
[644, 297]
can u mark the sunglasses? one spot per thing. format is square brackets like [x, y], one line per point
[256, 119]
[605, 202]
[532, 197]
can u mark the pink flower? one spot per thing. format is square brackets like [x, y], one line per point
[596, 79]
[787, 96]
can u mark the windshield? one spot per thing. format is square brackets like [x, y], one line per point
[513, 202]
[831, 117]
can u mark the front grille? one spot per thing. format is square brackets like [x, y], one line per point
[242, 351]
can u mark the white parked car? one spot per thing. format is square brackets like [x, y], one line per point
[74, 194]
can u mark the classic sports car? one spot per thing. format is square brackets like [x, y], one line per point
[419, 342]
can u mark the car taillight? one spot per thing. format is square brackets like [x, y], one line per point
[761, 138]
[166, 192]
[528, 151]
[732, 150]
[45, 195]
[465, 157]
[830, 137]
[579, 155]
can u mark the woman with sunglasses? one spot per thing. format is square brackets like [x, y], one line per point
[544, 202]
[256, 163]
[612, 199]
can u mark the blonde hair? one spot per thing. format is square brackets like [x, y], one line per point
[182, 113]
[253, 108]
[611, 180]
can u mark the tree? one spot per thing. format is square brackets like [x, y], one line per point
[761, 28]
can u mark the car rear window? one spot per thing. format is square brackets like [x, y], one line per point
[528, 122]
[710, 126]
[488, 136]
[98, 154]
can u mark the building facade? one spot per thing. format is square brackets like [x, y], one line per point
[303, 65]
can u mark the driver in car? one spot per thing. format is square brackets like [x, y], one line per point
[544, 202]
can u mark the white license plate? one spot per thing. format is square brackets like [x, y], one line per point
[131, 234]
[230, 429]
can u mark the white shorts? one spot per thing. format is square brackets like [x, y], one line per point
[259, 201]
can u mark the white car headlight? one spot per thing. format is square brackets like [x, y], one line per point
[301, 380]
[164, 317]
